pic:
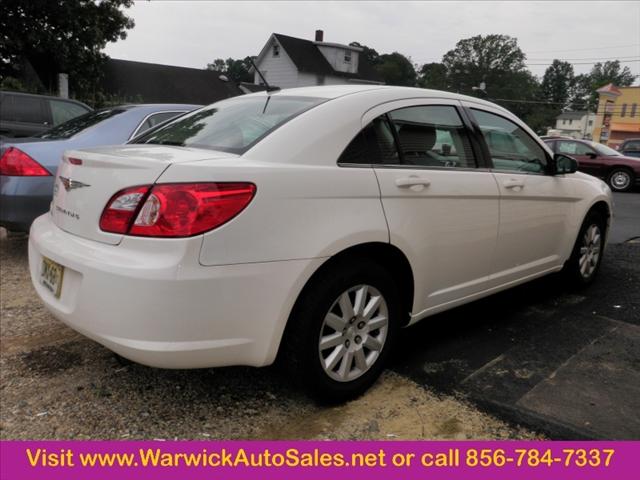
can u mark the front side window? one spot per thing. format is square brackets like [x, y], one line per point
[432, 136]
[574, 148]
[232, 125]
[510, 147]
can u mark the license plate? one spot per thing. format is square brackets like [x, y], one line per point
[51, 275]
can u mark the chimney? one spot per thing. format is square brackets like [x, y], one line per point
[319, 36]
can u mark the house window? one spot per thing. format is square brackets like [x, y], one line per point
[564, 122]
[276, 50]
[624, 110]
[347, 57]
[634, 108]
[570, 121]
[590, 122]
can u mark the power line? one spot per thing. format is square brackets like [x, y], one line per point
[592, 58]
[584, 63]
[588, 48]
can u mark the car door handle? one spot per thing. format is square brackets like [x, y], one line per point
[513, 183]
[412, 181]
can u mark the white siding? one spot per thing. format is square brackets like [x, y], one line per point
[335, 57]
[279, 71]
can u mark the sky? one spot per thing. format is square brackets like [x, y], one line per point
[194, 33]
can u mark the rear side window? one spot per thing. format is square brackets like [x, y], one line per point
[18, 108]
[573, 148]
[432, 136]
[63, 111]
[233, 125]
[373, 145]
[511, 148]
[156, 119]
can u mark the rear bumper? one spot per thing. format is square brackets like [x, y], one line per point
[152, 302]
[22, 200]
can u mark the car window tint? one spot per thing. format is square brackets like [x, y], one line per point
[510, 147]
[433, 136]
[373, 145]
[18, 108]
[63, 111]
[233, 125]
[574, 148]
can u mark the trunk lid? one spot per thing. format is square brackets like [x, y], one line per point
[82, 189]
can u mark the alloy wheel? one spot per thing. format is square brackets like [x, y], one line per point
[590, 251]
[353, 333]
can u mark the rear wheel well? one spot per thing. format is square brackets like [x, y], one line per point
[386, 255]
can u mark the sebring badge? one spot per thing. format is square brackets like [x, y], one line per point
[71, 184]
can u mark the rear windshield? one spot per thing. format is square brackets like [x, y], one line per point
[78, 124]
[604, 150]
[230, 126]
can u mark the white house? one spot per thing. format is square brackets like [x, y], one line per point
[576, 124]
[288, 62]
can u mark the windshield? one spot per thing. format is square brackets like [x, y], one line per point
[604, 150]
[76, 125]
[230, 126]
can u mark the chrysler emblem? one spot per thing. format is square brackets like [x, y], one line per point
[71, 184]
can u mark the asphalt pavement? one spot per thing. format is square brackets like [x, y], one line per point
[563, 362]
[626, 217]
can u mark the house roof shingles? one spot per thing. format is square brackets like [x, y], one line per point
[307, 58]
[154, 83]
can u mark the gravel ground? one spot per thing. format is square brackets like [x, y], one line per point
[55, 384]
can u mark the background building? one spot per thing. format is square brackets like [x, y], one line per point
[576, 124]
[618, 115]
[288, 62]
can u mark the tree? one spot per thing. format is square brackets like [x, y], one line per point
[557, 84]
[433, 75]
[61, 36]
[396, 69]
[494, 59]
[585, 96]
[236, 70]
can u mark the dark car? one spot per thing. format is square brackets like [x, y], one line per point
[630, 147]
[619, 171]
[26, 114]
[28, 165]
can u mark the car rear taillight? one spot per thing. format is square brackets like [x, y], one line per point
[175, 209]
[16, 163]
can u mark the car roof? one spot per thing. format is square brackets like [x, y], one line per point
[336, 91]
[51, 97]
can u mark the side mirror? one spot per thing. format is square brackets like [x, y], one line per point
[564, 164]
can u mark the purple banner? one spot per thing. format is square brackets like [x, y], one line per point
[157, 460]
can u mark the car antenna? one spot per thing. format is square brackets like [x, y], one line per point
[264, 80]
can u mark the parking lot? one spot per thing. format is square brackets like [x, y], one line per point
[538, 360]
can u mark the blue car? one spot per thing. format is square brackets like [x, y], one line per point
[28, 165]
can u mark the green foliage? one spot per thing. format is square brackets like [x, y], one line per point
[601, 74]
[13, 84]
[61, 36]
[557, 84]
[433, 75]
[396, 69]
[236, 70]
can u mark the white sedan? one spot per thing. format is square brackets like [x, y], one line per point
[309, 224]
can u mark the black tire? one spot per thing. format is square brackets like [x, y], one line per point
[573, 269]
[620, 179]
[300, 349]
